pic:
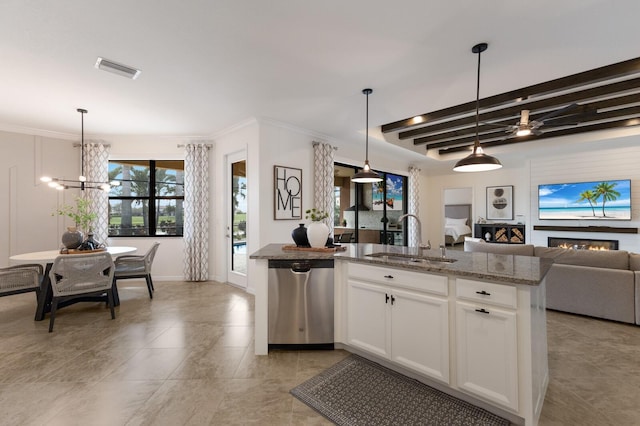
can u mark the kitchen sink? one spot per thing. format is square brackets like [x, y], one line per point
[411, 257]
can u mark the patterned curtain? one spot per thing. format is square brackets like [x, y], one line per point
[196, 212]
[323, 157]
[96, 169]
[414, 205]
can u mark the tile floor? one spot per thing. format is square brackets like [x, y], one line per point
[186, 358]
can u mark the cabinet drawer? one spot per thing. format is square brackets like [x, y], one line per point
[431, 283]
[489, 293]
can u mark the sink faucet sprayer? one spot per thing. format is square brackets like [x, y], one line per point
[419, 225]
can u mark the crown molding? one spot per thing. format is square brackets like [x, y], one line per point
[10, 128]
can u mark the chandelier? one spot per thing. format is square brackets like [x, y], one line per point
[82, 183]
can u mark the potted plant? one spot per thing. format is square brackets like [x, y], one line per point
[82, 217]
[318, 231]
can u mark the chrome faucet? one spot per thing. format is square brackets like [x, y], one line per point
[421, 246]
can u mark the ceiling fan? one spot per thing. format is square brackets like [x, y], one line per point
[526, 127]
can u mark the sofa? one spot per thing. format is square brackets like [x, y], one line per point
[601, 284]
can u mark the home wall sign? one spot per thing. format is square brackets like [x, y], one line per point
[288, 193]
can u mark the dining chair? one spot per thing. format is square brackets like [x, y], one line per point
[136, 266]
[75, 276]
[20, 279]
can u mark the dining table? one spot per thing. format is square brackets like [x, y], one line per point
[47, 257]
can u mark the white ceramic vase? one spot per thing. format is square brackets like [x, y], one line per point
[317, 233]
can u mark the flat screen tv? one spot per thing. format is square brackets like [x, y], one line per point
[599, 200]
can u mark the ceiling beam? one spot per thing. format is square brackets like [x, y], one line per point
[558, 101]
[460, 138]
[628, 122]
[608, 72]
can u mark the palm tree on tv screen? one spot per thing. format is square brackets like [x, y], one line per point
[605, 189]
[591, 197]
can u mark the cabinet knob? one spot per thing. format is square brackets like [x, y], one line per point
[484, 293]
[388, 276]
[483, 311]
[393, 299]
[386, 298]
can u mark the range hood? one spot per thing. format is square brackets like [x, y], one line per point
[361, 205]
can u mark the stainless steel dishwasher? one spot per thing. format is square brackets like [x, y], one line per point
[301, 302]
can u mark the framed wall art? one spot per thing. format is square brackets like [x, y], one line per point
[500, 202]
[287, 193]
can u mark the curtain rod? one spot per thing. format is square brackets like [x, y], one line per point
[208, 145]
[314, 143]
[77, 144]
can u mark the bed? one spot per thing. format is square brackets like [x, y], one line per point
[457, 223]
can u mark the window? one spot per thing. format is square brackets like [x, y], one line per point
[149, 200]
[370, 211]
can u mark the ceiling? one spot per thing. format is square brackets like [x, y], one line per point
[208, 65]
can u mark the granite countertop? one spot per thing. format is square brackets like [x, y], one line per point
[508, 269]
[275, 251]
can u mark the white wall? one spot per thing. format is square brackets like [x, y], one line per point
[432, 198]
[26, 221]
[241, 138]
[613, 163]
[618, 160]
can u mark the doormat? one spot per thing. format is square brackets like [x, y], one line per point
[357, 391]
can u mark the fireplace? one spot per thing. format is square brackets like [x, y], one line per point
[582, 243]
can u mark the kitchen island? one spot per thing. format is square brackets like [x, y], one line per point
[470, 324]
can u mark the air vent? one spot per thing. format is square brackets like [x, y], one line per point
[116, 68]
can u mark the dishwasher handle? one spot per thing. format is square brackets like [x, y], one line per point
[300, 267]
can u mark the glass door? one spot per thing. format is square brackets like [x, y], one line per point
[237, 223]
[368, 213]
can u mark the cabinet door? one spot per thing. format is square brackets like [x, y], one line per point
[487, 355]
[367, 317]
[420, 333]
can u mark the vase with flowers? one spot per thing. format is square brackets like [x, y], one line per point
[318, 231]
[82, 216]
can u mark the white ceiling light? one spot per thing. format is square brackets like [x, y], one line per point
[116, 68]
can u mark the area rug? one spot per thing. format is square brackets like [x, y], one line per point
[357, 391]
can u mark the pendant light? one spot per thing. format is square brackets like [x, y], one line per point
[477, 161]
[81, 183]
[366, 175]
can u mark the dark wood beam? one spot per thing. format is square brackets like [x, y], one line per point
[462, 138]
[629, 122]
[596, 75]
[558, 101]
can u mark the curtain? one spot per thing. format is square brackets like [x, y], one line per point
[414, 205]
[96, 169]
[323, 158]
[196, 212]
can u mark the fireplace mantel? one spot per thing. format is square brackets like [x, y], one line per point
[608, 229]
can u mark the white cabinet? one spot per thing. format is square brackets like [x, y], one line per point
[408, 327]
[487, 341]
[367, 318]
[420, 333]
